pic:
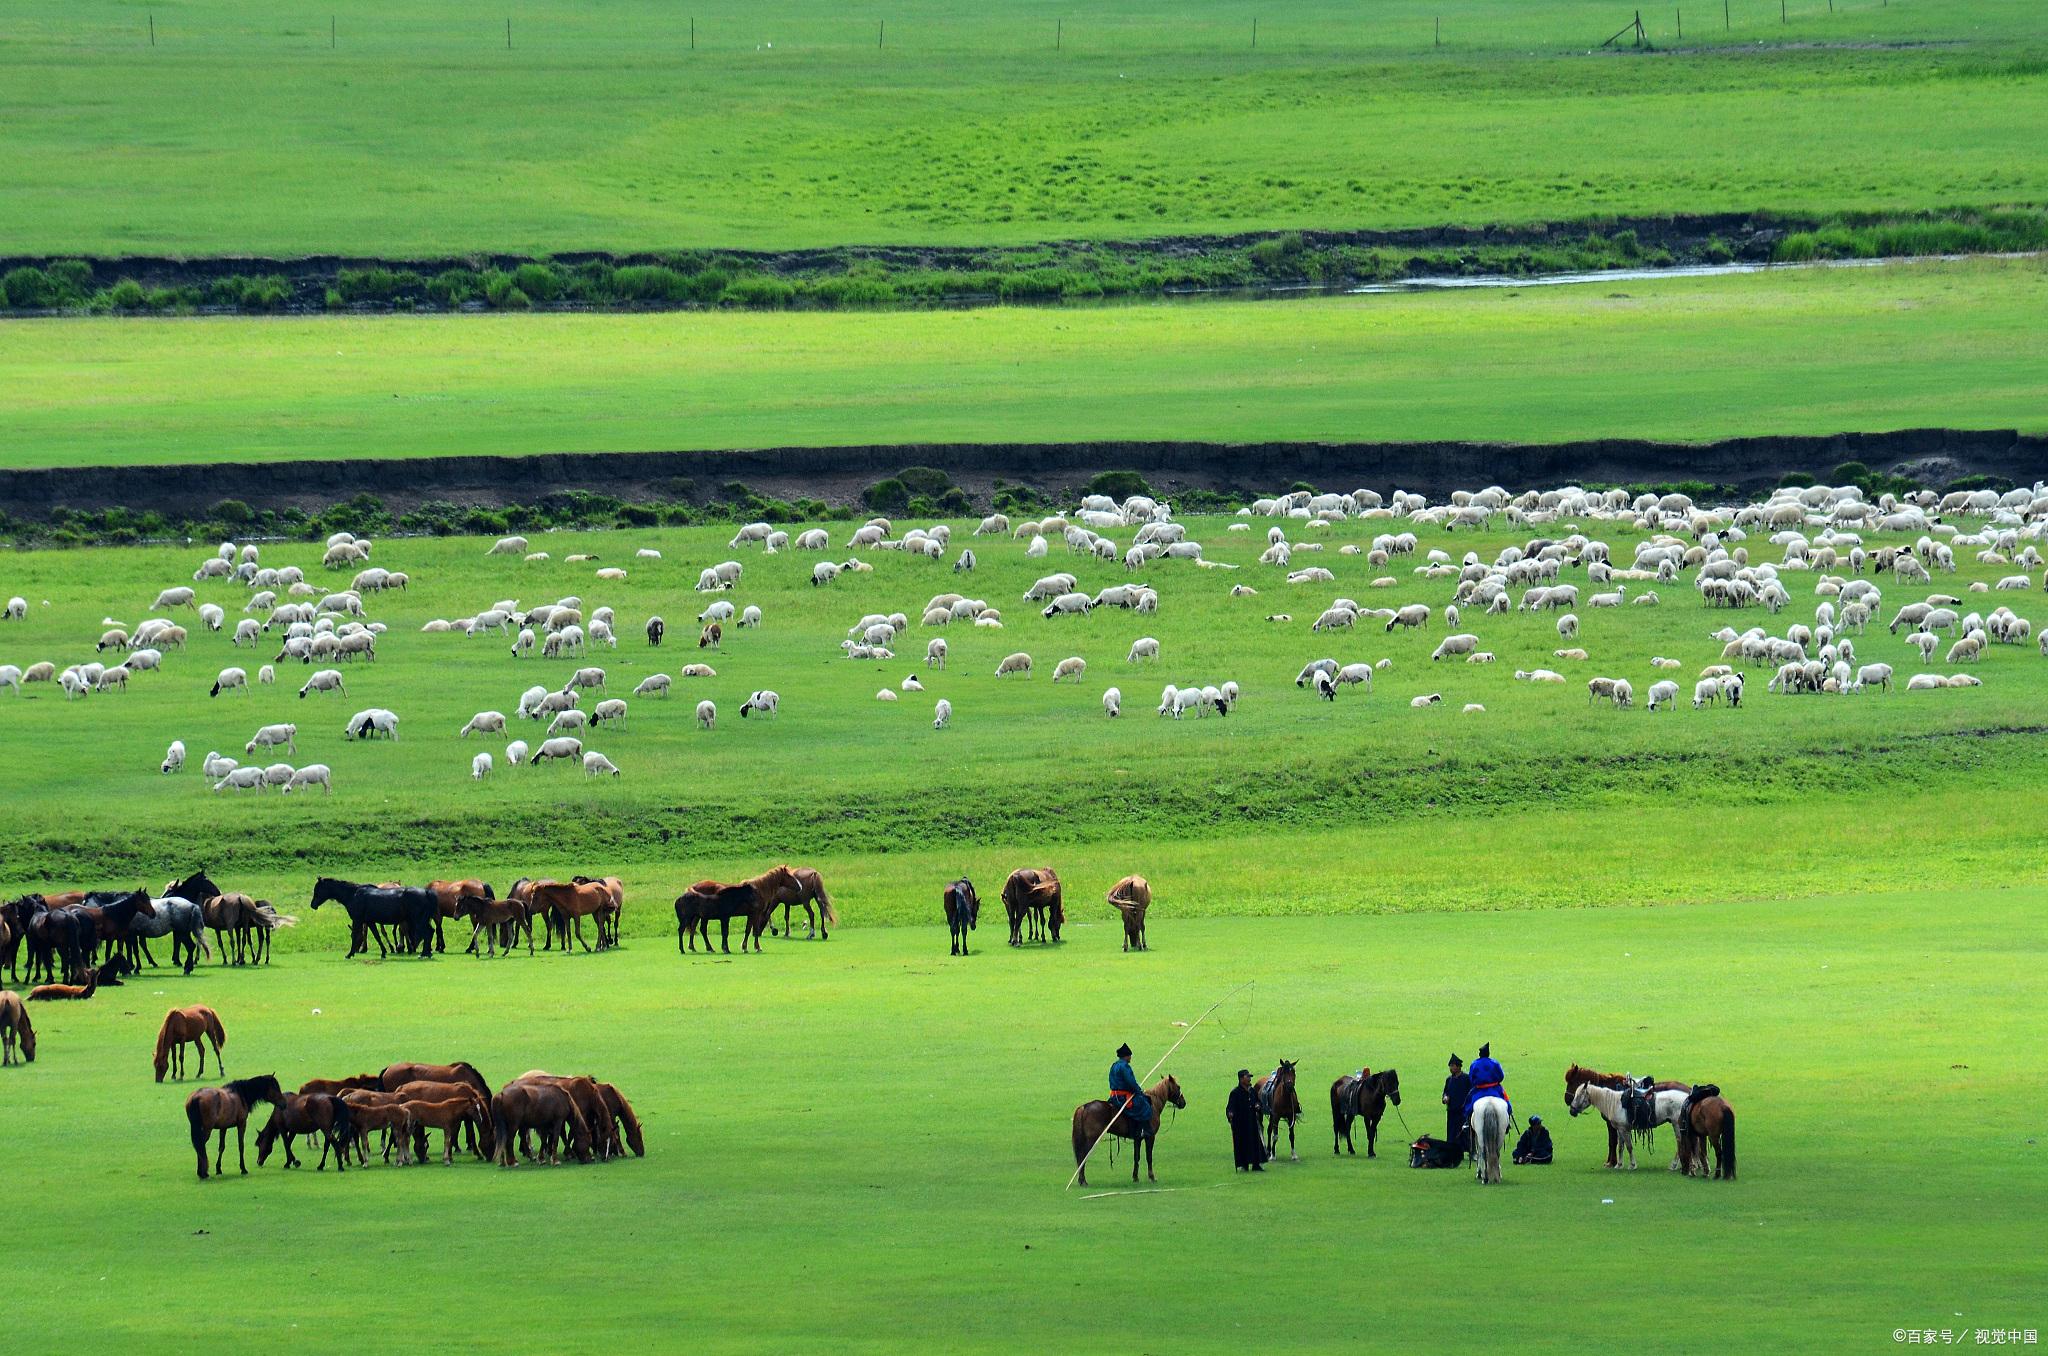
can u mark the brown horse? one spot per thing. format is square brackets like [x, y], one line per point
[1709, 1120]
[15, 1028]
[567, 904]
[386, 1111]
[451, 1108]
[449, 894]
[590, 1101]
[791, 886]
[225, 1107]
[1578, 1074]
[627, 1123]
[1091, 1118]
[540, 1107]
[493, 919]
[608, 924]
[336, 1086]
[1362, 1096]
[189, 1026]
[43, 993]
[1131, 897]
[318, 1113]
[1034, 893]
[395, 1076]
[1277, 1099]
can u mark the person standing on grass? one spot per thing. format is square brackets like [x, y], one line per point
[1457, 1091]
[1132, 1105]
[1242, 1111]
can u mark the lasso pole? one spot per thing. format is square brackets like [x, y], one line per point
[1153, 1070]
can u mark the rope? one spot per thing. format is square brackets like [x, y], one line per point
[1078, 1167]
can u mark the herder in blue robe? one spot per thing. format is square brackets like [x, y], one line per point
[1486, 1082]
[1124, 1092]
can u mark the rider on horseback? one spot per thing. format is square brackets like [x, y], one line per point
[1486, 1080]
[1133, 1107]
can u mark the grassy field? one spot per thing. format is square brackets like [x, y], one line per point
[1784, 352]
[892, 808]
[864, 1142]
[418, 132]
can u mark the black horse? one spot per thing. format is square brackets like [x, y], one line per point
[1353, 1097]
[706, 900]
[963, 908]
[411, 909]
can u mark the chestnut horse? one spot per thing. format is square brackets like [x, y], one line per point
[1090, 1118]
[1577, 1074]
[608, 924]
[790, 886]
[1277, 1099]
[1362, 1096]
[1131, 897]
[1708, 1120]
[225, 1107]
[541, 1107]
[189, 1026]
[567, 904]
[1034, 893]
[15, 1028]
[449, 894]
[43, 993]
[318, 1113]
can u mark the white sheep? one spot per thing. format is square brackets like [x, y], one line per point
[935, 653]
[1112, 703]
[515, 752]
[174, 758]
[1663, 693]
[1474, 708]
[484, 722]
[270, 736]
[181, 596]
[654, 685]
[767, 702]
[229, 680]
[216, 765]
[942, 714]
[1462, 644]
[1072, 667]
[887, 694]
[324, 680]
[17, 608]
[480, 766]
[750, 616]
[568, 719]
[1568, 626]
[242, 779]
[370, 722]
[265, 675]
[1144, 647]
[597, 765]
[562, 746]
[1427, 699]
[1016, 663]
[707, 714]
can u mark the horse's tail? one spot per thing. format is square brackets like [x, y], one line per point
[204, 949]
[1492, 1133]
[1337, 1117]
[343, 1128]
[1081, 1138]
[163, 1049]
[825, 901]
[198, 1122]
[501, 1129]
[214, 1029]
[1728, 1143]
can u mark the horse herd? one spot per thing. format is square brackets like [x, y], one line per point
[576, 1115]
[1033, 899]
[65, 933]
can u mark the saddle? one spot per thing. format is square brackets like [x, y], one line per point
[1266, 1091]
[1639, 1104]
[1700, 1092]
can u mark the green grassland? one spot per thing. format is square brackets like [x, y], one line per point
[1784, 352]
[863, 1143]
[241, 131]
[870, 791]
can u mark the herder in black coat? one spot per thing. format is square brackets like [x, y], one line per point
[1534, 1145]
[1457, 1091]
[1242, 1110]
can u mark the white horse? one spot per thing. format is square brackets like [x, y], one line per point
[1489, 1132]
[1665, 1109]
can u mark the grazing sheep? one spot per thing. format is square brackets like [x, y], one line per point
[216, 765]
[610, 711]
[1112, 703]
[1925, 642]
[653, 685]
[1016, 663]
[1427, 699]
[935, 653]
[508, 546]
[1568, 627]
[1461, 644]
[174, 758]
[711, 638]
[1474, 708]
[766, 702]
[17, 608]
[181, 596]
[887, 694]
[562, 746]
[1144, 647]
[270, 736]
[1325, 683]
[570, 719]
[597, 765]
[1415, 614]
[229, 680]
[1072, 667]
[324, 680]
[1619, 691]
[750, 617]
[1313, 667]
[242, 779]
[1664, 693]
[942, 713]
[484, 722]
[371, 722]
[265, 675]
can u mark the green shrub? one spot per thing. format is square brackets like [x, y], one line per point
[1118, 485]
[232, 513]
[758, 292]
[31, 289]
[955, 503]
[887, 496]
[1795, 480]
[924, 479]
[650, 282]
[125, 295]
[451, 287]
[538, 281]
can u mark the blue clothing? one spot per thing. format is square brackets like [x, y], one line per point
[1121, 1079]
[1486, 1082]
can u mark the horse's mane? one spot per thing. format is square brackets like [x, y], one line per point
[1578, 1074]
[253, 1090]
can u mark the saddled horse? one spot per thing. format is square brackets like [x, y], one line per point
[709, 899]
[227, 1107]
[449, 895]
[791, 886]
[1663, 1107]
[1578, 1074]
[1278, 1102]
[1131, 897]
[1708, 1120]
[413, 910]
[193, 1026]
[963, 910]
[568, 903]
[1033, 893]
[1361, 1096]
[1090, 1119]
[1489, 1133]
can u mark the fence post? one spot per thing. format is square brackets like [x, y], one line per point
[508, 32]
[881, 27]
[693, 31]
[1059, 33]
[152, 30]
[1727, 24]
[330, 31]
[1681, 23]
[1781, 11]
[1439, 30]
[1255, 32]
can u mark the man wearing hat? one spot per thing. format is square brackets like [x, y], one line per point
[1242, 1110]
[1534, 1145]
[1486, 1082]
[1133, 1107]
[1457, 1091]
